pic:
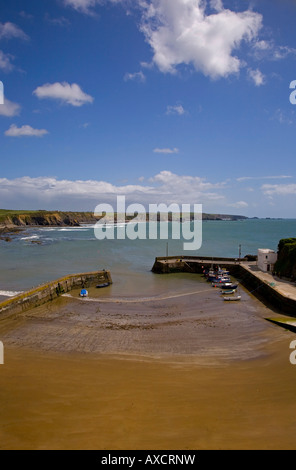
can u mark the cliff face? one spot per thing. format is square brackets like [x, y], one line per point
[46, 218]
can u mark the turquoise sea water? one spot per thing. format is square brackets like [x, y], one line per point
[75, 249]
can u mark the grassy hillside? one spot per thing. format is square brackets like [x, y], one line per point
[42, 217]
[6, 213]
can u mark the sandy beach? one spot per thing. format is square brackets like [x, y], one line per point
[181, 370]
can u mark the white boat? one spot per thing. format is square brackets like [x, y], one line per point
[238, 297]
[227, 292]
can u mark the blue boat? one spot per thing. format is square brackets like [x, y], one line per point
[83, 293]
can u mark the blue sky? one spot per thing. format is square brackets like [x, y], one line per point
[166, 101]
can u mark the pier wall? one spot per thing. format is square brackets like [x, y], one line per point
[51, 290]
[192, 264]
[266, 293]
[243, 270]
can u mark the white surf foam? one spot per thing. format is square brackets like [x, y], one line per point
[9, 293]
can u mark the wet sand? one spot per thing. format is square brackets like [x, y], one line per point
[183, 370]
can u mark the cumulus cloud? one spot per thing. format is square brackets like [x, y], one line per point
[239, 204]
[5, 62]
[181, 32]
[64, 92]
[25, 130]
[263, 49]
[137, 76]
[278, 189]
[49, 192]
[10, 30]
[166, 150]
[256, 76]
[87, 6]
[9, 109]
[186, 184]
[177, 109]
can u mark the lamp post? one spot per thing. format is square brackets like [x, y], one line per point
[239, 253]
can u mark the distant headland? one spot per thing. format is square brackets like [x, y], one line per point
[13, 221]
[22, 218]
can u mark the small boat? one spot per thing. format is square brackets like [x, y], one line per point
[218, 284]
[83, 293]
[238, 297]
[228, 286]
[104, 284]
[228, 291]
[222, 280]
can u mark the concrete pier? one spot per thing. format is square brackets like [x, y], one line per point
[51, 290]
[274, 292]
[192, 264]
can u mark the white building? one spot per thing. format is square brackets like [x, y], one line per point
[266, 259]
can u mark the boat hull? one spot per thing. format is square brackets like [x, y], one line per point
[233, 299]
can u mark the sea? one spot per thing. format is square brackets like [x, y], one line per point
[41, 254]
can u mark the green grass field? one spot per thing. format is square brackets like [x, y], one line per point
[10, 213]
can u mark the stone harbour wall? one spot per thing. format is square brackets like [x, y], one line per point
[51, 290]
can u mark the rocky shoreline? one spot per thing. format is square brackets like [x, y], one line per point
[8, 233]
[14, 222]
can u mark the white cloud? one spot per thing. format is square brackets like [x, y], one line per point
[85, 6]
[10, 30]
[282, 117]
[263, 45]
[281, 52]
[166, 150]
[26, 15]
[64, 92]
[26, 130]
[177, 109]
[137, 76]
[180, 32]
[216, 5]
[59, 21]
[187, 188]
[257, 77]
[246, 178]
[49, 192]
[263, 49]
[239, 204]
[9, 108]
[5, 62]
[278, 189]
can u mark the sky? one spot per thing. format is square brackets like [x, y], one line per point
[160, 101]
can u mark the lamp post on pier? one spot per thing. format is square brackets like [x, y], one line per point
[239, 253]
